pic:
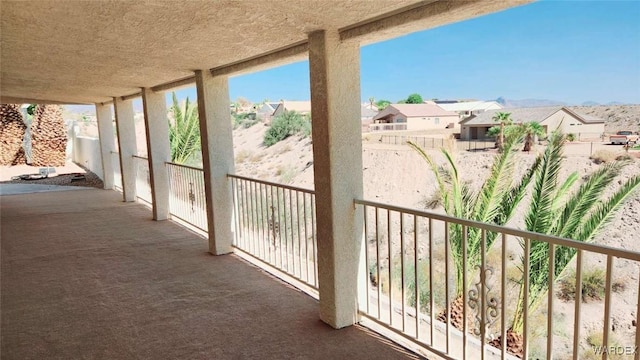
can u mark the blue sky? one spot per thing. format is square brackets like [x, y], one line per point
[570, 51]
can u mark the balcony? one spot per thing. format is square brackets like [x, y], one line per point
[87, 276]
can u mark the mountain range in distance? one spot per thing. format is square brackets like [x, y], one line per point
[507, 103]
[524, 103]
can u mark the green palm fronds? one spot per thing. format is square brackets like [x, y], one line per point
[577, 215]
[494, 203]
[184, 131]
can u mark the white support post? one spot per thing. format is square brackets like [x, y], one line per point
[126, 130]
[217, 158]
[158, 150]
[107, 143]
[334, 67]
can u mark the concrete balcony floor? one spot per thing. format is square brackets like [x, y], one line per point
[85, 275]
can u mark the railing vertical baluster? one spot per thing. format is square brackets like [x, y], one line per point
[431, 299]
[306, 237]
[551, 293]
[525, 308]
[252, 222]
[366, 253]
[416, 273]
[389, 257]
[464, 293]
[447, 300]
[483, 285]
[299, 233]
[257, 188]
[280, 233]
[293, 241]
[379, 282]
[637, 352]
[503, 293]
[265, 229]
[315, 240]
[606, 328]
[402, 284]
[235, 217]
[578, 303]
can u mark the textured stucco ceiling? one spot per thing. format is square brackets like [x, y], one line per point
[81, 51]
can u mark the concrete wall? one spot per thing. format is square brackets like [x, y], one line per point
[86, 152]
[430, 123]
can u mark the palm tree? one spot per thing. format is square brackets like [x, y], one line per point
[577, 215]
[184, 131]
[494, 204]
[531, 130]
[504, 119]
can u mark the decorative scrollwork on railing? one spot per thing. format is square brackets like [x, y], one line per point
[274, 226]
[192, 197]
[491, 303]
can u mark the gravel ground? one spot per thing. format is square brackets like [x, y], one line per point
[67, 176]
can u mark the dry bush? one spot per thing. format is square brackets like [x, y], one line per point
[243, 155]
[603, 156]
[593, 283]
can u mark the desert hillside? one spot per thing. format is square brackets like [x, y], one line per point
[617, 117]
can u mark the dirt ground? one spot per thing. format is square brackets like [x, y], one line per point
[69, 175]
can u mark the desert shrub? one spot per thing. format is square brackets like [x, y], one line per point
[410, 283]
[593, 282]
[571, 137]
[245, 121]
[243, 155]
[603, 156]
[285, 125]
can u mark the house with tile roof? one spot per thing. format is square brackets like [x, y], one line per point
[303, 107]
[414, 117]
[468, 108]
[551, 118]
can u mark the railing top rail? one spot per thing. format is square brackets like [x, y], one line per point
[139, 157]
[308, 191]
[184, 166]
[600, 249]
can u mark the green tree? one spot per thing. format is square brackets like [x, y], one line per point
[504, 119]
[495, 203]
[414, 99]
[381, 104]
[184, 131]
[287, 124]
[531, 130]
[556, 210]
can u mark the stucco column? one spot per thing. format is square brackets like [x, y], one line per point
[107, 144]
[337, 161]
[217, 158]
[158, 150]
[126, 130]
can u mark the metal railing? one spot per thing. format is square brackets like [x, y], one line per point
[424, 141]
[187, 201]
[117, 175]
[428, 272]
[143, 179]
[276, 224]
[387, 127]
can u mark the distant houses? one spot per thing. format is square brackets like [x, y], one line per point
[468, 108]
[414, 117]
[551, 118]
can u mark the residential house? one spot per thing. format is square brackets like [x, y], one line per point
[414, 117]
[468, 108]
[366, 116]
[303, 107]
[265, 111]
[551, 118]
